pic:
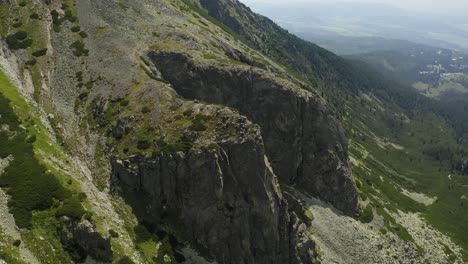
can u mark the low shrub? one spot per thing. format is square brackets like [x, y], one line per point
[75, 29]
[142, 234]
[143, 144]
[31, 62]
[17, 243]
[198, 123]
[40, 53]
[366, 215]
[83, 34]
[125, 260]
[72, 208]
[19, 40]
[113, 233]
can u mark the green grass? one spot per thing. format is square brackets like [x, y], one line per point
[413, 168]
[37, 194]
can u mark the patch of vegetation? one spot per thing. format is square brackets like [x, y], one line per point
[367, 215]
[79, 48]
[19, 40]
[40, 53]
[75, 29]
[198, 123]
[34, 16]
[113, 233]
[71, 208]
[125, 260]
[31, 62]
[83, 34]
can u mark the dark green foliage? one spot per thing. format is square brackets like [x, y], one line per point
[31, 62]
[72, 208]
[145, 110]
[26, 181]
[83, 96]
[75, 28]
[142, 234]
[22, 3]
[17, 24]
[79, 48]
[69, 16]
[113, 233]
[19, 40]
[198, 123]
[55, 18]
[188, 112]
[125, 260]
[31, 139]
[83, 34]
[17, 243]
[34, 16]
[143, 144]
[40, 53]
[366, 216]
[124, 102]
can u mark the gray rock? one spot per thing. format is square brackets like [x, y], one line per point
[226, 200]
[86, 241]
[306, 144]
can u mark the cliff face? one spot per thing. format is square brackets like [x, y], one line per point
[305, 142]
[225, 199]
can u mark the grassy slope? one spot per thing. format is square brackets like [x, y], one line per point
[33, 173]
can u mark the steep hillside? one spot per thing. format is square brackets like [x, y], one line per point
[151, 132]
[401, 142]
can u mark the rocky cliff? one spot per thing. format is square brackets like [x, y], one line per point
[226, 199]
[305, 142]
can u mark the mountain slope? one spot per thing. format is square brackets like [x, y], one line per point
[181, 139]
[408, 140]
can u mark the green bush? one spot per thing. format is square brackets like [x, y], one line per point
[80, 49]
[17, 24]
[113, 233]
[366, 215]
[19, 40]
[17, 243]
[145, 110]
[142, 234]
[75, 29]
[188, 112]
[83, 34]
[34, 16]
[124, 102]
[31, 139]
[125, 260]
[198, 123]
[72, 208]
[40, 53]
[83, 96]
[143, 144]
[31, 62]
[22, 3]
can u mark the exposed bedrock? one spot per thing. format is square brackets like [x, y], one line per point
[225, 199]
[306, 144]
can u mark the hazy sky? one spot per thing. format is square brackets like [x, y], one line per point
[459, 7]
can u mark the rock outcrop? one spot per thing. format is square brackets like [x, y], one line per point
[83, 239]
[225, 199]
[306, 144]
